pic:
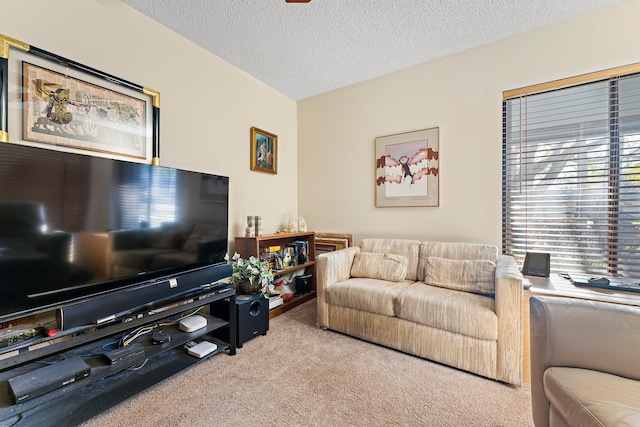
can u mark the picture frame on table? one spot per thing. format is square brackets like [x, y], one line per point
[407, 169]
[329, 242]
[53, 102]
[264, 151]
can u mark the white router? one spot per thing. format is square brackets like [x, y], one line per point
[192, 323]
[202, 349]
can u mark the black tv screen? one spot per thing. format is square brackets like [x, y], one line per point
[73, 226]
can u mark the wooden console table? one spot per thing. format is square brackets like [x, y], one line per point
[559, 287]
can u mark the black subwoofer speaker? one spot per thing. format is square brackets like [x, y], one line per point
[252, 315]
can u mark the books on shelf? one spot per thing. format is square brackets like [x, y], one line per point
[302, 250]
[286, 256]
[275, 301]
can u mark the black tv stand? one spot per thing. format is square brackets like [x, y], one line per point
[109, 384]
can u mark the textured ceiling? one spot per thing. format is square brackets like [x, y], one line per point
[307, 49]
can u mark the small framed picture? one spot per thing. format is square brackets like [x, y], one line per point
[264, 151]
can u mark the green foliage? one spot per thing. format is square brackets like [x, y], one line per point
[254, 269]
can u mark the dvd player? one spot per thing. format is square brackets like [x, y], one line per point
[43, 380]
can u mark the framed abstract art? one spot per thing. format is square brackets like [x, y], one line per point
[407, 169]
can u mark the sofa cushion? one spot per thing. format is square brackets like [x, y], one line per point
[454, 250]
[463, 275]
[592, 398]
[459, 312]
[371, 295]
[410, 249]
[379, 266]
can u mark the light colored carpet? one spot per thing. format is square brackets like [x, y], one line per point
[300, 375]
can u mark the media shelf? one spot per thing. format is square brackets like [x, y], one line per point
[253, 246]
[109, 384]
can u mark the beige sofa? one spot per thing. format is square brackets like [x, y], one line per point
[584, 363]
[455, 303]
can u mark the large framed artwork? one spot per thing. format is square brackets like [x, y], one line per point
[52, 102]
[264, 151]
[407, 169]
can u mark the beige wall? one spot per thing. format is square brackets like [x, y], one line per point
[208, 106]
[326, 152]
[461, 94]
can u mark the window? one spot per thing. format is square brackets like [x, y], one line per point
[571, 173]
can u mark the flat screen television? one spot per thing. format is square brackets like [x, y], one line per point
[74, 226]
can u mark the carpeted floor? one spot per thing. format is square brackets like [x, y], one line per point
[300, 375]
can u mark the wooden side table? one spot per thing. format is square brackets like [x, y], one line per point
[559, 287]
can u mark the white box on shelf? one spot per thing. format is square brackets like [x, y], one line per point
[275, 301]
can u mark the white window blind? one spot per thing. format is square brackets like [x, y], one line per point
[571, 175]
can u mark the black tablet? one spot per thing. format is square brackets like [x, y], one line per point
[537, 264]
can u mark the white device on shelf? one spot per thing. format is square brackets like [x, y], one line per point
[275, 301]
[202, 349]
[192, 323]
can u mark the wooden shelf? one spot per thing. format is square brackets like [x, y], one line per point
[284, 271]
[252, 246]
[296, 301]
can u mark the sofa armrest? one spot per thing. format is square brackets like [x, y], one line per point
[581, 334]
[331, 267]
[586, 334]
[509, 307]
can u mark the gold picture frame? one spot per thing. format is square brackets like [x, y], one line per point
[264, 151]
[407, 169]
[57, 103]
